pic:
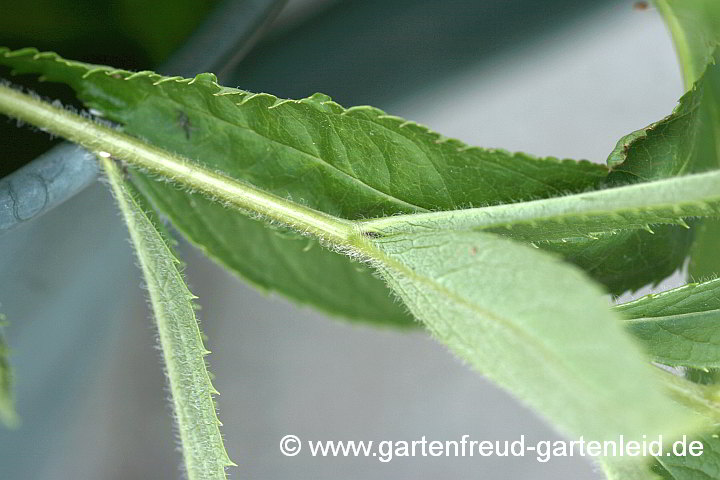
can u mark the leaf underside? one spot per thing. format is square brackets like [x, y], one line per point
[180, 338]
[485, 296]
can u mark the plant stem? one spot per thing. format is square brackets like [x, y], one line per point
[665, 201]
[702, 399]
[107, 142]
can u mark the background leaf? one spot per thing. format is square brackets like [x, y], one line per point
[8, 416]
[125, 33]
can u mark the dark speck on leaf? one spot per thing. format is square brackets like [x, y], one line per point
[184, 122]
[372, 234]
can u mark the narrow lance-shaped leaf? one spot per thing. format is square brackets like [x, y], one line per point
[534, 325]
[183, 351]
[8, 416]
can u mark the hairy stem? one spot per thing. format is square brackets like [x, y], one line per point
[106, 142]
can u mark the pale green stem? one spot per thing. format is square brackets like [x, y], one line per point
[620, 207]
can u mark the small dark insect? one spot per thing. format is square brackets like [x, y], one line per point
[371, 234]
[640, 5]
[184, 122]
[122, 166]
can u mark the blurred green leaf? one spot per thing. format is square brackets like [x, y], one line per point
[98, 30]
[8, 416]
[160, 26]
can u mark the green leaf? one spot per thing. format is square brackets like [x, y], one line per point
[656, 254]
[180, 338]
[354, 163]
[663, 149]
[535, 325]
[678, 327]
[691, 339]
[704, 254]
[703, 467]
[695, 297]
[8, 416]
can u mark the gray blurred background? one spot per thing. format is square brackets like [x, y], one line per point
[564, 78]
